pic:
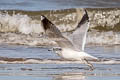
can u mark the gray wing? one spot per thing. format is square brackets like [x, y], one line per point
[78, 37]
[54, 33]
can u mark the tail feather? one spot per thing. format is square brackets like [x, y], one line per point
[89, 57]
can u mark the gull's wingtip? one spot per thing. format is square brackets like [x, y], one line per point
[86, 14]
[85, 11]
[45, 22]
[42, 17]
[84, 19]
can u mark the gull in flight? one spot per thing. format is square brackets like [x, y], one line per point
[72, 47]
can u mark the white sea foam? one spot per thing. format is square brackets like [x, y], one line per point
[108, 18]
[110, 62]
[20, 23]
[26, 25]
[35, 61]
[103, 38]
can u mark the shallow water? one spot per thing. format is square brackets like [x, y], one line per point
[36, 5]
[35, 63]
[49, 66]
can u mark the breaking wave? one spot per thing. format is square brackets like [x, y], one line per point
[24, 27]
[103, 38]
[19, 23]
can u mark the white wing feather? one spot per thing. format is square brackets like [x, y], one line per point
[78, 37]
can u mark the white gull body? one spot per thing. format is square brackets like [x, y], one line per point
[70, 54]
[72, 47]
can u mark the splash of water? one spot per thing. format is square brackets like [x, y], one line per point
[14, 26]
[19, 23]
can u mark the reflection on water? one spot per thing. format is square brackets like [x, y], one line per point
[55, 72]
[73, 76]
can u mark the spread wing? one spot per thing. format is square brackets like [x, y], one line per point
[78, 37]
[54, 33]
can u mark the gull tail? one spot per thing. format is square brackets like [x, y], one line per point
[89, 57]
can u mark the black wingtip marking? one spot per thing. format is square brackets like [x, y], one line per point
[50, 27]
[45, 22]
[84, 19]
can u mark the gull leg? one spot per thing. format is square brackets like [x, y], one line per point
[89, 64]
